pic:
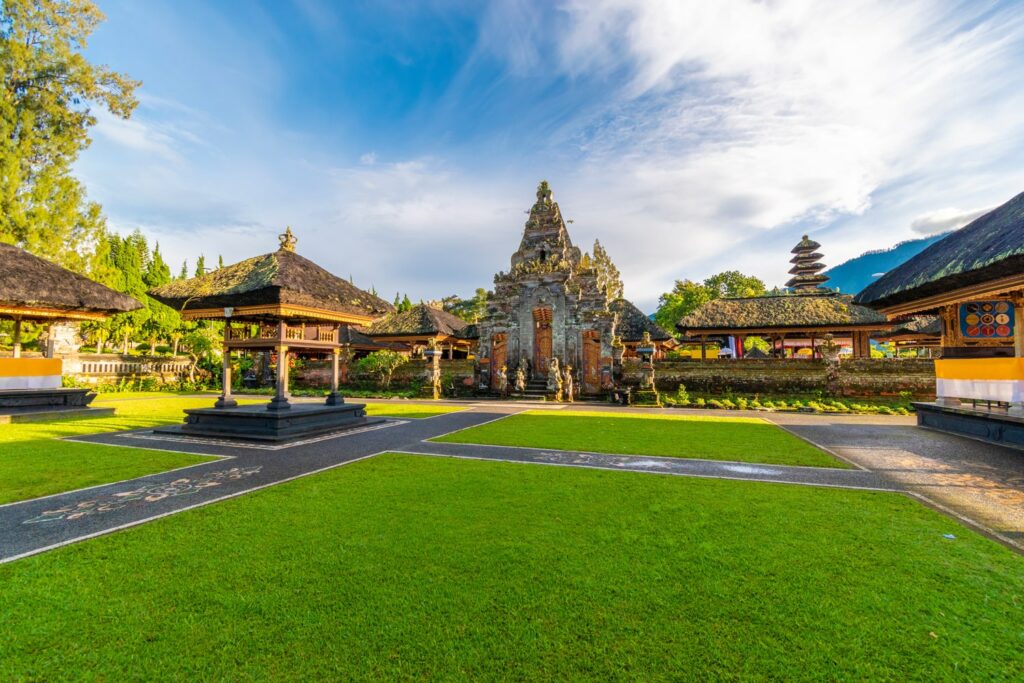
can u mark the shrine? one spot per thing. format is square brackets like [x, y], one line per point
[285, 304]
[973, 280]
[33, 290]
[558, 304]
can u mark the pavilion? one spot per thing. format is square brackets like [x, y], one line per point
[285, 304]
[422, 324]
[790, 321]
[918, 332]
[974, 281]
[34, 290]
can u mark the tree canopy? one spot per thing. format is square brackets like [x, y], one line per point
[49, 89]
[687, 296]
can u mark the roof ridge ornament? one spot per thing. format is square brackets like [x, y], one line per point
[288, 240]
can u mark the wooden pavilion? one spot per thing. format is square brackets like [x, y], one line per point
[790, 321]
[974, 281]
[918, 332]
[285, 304]
[421, 325]
[630, 325]
[33, 290]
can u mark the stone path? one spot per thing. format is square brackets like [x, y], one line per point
[979, 483]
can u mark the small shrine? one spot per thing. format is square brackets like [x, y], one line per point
[287, 305]
[33, 290]
[973, 280]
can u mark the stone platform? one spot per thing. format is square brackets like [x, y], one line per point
[991, 426]
[257, 423]
[31, 405]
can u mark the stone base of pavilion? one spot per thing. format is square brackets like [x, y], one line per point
[32, 405]
[995, 425]
[258, 423]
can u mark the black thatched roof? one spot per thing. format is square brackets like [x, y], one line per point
[352, 335]
[418, 321]
[633, 323]
[282, 277]
[471, 331]
[822, 309]
[806, 244]
[27, 281]
[989, 248]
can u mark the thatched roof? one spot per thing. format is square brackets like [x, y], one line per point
[280, 278]
[471, 331]
[816, 310]
[27, 281]
[919, 326]
[989, 248]
[805, 245]
[418, 321]
[632, 323]
[354, 336]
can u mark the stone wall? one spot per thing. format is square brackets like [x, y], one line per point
[863, 377]
[102, 368]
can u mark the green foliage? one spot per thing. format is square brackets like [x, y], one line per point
[381, 364]
[687, 296]
[471, 310]
[200, 266]
[45, 114]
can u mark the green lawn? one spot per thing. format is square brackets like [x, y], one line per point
[34, 463]
[712, 438]
[408, 567]
[407, 410]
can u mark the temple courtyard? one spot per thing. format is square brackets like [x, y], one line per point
[651, 544]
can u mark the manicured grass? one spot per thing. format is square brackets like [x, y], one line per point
[710, 438]
[34, 462]
[408, 567]
[409, 410]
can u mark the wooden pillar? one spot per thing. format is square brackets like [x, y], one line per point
[225, 400]
[280, 400]
[334, 398]
[1017, 407]
[812, 347]
[451, 351]
[17, 338]
[703, 347]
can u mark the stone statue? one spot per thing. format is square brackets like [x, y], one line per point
[567, 382]
[554, 379]
[502, 378]
[287, 240]
[520, 378]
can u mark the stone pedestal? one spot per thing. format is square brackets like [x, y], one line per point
[259, 423]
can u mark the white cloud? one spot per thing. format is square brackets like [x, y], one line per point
[944, 219]
[740, 117]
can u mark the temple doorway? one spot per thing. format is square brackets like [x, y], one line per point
[541, 341]
[591, 378]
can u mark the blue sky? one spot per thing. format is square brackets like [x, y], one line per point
[403, 141]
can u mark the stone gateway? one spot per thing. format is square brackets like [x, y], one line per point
[554, 303]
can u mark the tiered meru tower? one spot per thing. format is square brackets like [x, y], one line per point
[807, 267]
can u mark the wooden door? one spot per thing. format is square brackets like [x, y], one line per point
[541, 341]
[499, 351]
[591, 362]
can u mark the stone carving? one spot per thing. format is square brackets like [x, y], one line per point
[502, 378]
[520, 379]
[288, 240]
[554, 379]
[830, 354]
[434, 374]
[567, 384]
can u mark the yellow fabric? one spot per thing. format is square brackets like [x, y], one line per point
[980, 368]
[30, 367]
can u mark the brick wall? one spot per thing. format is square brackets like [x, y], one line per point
[862, 377]
[411, 375]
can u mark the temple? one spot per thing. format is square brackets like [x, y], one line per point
[556, 302]
[283, 304]
[974, 281]
[34, 290]
[794, 323]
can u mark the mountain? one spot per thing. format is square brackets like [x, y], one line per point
[857, 273]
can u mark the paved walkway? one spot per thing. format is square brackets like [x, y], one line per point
[980, 483]
[976, 481]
